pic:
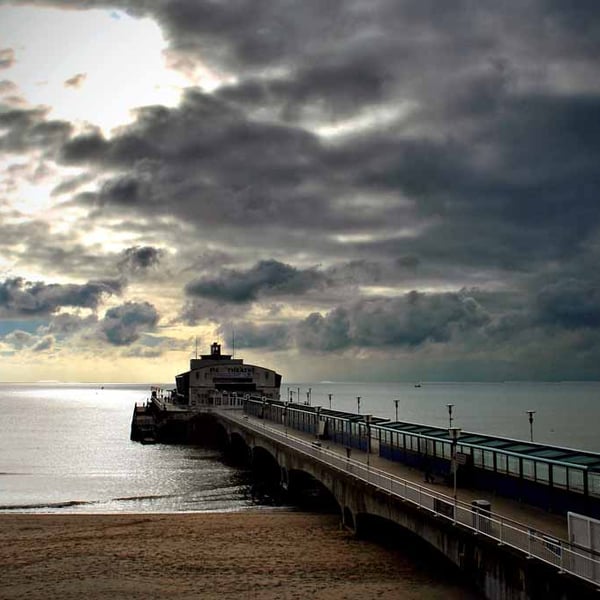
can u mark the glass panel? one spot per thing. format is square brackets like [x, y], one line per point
[528, 469]
[414, 443]
[439, 449]
[488, 460]
[447, 450]
[513, 466]
[477, 457]
[501, 463]
[594, 483]
[576, 480]
[559, 476]
[542, 472]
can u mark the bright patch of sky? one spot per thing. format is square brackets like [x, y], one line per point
[113, 62]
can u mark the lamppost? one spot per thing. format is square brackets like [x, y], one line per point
[368, 426]
[450, 406]
[285, 409]
[358, 404]
[330, 395]
[530, 413]
[396, 405]
[454, 433]
[289, 393]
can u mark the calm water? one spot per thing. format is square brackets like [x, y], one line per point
[66, 448]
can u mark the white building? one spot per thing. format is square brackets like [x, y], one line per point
[216, 379]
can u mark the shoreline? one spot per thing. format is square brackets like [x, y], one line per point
[264, 554]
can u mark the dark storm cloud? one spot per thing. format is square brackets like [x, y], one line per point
[409, 321]
[27, 129]
[330, 91]
[571, 304]
[466, 154]
[267, 278]
[140, 258]
[124, 324]
[22, 298]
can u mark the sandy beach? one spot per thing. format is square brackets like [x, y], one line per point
[261, 554]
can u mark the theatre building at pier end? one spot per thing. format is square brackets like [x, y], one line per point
[215, 379]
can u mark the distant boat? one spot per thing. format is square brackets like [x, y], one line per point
[417, 385]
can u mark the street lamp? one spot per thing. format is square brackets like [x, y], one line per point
[530, 413]
[358, 404]
[330, 395]
[368, 427]
[454, 433]
[396, 405]
[450, 406]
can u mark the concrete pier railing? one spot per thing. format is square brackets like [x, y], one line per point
[533, 543]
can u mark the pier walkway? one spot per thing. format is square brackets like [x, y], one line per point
[532, 532]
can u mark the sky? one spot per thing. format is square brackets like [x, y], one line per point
[399, 190]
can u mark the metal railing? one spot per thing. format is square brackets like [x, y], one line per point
[505, 531]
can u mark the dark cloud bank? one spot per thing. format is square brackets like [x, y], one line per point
[455, 206]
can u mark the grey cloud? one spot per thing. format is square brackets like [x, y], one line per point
[66, 324]
[273, 336]
[196, 310]
[409, 321]
[76, 81]
[71, 184]
[140, 258]
[7, 58]
[84, 148]
[570, 303]
[27, 128]
[22, 298]
[19, 339]
[474, 163]
[265, 279]
[45, 344]
[124, 324]
[7, 87]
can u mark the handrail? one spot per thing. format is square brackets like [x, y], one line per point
[504, 530]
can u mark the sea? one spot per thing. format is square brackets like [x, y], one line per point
[65, 448]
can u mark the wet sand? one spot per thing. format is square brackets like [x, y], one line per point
[263, 555]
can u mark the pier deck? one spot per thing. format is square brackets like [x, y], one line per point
[526, 515]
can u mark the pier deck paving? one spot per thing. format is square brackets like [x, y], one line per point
[524, 514]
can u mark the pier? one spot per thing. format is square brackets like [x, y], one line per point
[507, 548]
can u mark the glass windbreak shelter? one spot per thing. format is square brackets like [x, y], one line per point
[548, 476]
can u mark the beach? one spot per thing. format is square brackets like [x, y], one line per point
[262, 554]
